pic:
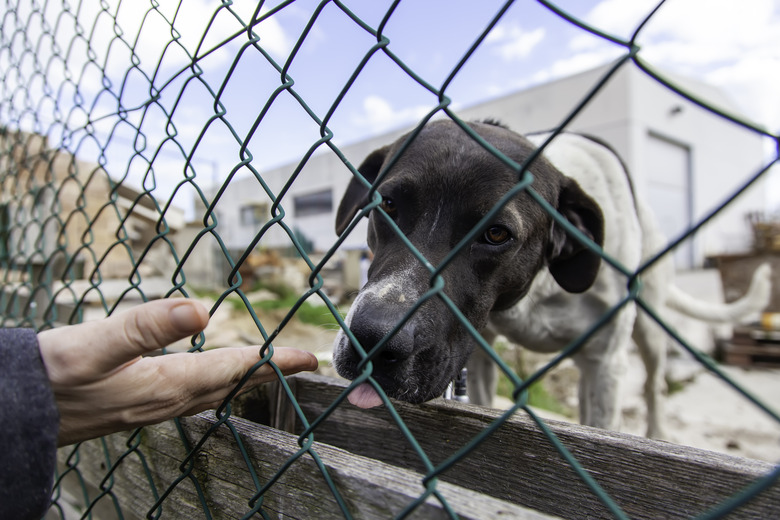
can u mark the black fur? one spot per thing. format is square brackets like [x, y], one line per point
[438, 190]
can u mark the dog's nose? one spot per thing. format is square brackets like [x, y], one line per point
[369, 331]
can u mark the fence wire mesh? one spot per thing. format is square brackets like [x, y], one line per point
[97, 123]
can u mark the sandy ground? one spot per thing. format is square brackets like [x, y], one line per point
[706, 413]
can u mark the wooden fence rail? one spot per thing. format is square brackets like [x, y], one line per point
[516, 473]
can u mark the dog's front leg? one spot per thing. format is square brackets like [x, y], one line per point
[600, 390]
[482, 374]
[652, 342]
[603, 364]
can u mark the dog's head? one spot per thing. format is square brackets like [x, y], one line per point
[435, 192]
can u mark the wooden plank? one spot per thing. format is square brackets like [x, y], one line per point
[745, 351]
[648, 479]
[370, 489]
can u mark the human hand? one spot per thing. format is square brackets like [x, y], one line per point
[103, 385]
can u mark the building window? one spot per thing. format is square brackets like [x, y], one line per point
[310, 204]
[254, 214]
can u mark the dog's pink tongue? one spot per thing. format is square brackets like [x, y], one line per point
[364, 396]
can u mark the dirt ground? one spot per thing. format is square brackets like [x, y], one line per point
[704, 412]
[709, 413]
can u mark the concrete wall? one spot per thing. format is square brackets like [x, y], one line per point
[631, 113]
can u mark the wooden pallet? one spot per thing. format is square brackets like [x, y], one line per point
[746, 351]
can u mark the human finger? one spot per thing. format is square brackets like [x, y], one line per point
[224, 368]
[101, 346]
[212, 375]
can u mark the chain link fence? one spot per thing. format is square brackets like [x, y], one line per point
[106, 112]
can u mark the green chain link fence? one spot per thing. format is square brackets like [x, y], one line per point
[67, 113]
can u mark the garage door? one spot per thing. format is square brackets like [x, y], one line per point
[669, 192]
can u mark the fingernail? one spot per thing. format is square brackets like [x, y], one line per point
[188, 317]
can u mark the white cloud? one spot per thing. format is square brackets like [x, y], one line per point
[379, 115]
[686, 35]
[753, 82]
[688, 31]
[513, 42]
[99, 38]
[731, 45]
[93, 32]
[576, 63]
[196, 27]
[619, 17]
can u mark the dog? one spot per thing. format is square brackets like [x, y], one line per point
[522, 275]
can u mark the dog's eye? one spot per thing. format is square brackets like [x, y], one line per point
[389, 207]
[497, 235]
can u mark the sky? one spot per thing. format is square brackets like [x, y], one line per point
[731, 45]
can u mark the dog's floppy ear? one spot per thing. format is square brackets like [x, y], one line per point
[355, 196]
[572, 264]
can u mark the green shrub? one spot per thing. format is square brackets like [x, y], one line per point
[538, 395]
[312, 314]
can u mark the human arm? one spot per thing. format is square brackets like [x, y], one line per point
[28, 427]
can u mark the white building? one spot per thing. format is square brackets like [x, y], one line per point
[683, 160]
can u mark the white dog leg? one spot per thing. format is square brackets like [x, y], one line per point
[603, 363]
[651, 341]
[600, 390]
[482, 375]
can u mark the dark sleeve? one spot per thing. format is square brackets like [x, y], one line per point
[29, 423]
